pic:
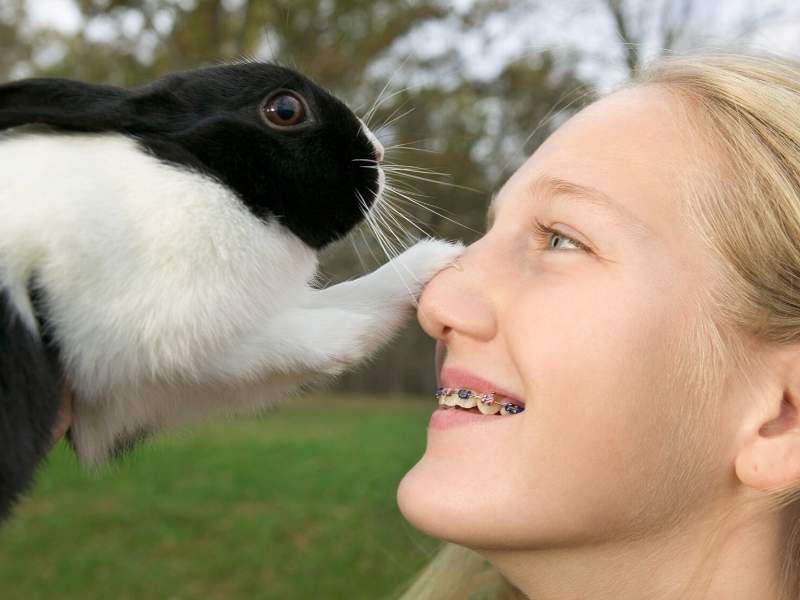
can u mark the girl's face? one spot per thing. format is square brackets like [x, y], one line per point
[590, 324]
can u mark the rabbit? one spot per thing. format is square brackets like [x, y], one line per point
[159, 248]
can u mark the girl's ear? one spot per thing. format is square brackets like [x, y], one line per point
[769, 457]
[63, 103]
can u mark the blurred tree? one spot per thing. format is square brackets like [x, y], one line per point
[14, 48]
[672, 19]
[646, 30]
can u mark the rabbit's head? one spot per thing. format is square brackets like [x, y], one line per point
[289, 149]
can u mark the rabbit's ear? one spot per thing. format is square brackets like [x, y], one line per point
[30, 395]
[62, 103]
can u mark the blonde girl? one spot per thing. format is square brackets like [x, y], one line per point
[638, 295]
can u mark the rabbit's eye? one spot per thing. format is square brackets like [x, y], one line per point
[284, 109]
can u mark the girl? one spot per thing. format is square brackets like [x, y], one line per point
[637, 298]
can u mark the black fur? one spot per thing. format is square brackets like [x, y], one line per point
[30, 393]
[210, 120]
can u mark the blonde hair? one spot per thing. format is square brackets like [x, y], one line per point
[745, 109]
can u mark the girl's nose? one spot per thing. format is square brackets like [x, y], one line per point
[455, 303]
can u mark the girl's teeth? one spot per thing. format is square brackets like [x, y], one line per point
[489, 409]
[487, 404]
[470, 402]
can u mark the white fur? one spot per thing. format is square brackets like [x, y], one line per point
[168, 298]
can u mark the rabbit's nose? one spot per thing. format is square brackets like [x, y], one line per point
[376, 144]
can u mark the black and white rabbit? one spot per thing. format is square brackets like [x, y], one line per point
[158, 250]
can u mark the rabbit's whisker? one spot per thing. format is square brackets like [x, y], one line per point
[391, 120]
[379, 236]
[436, 212]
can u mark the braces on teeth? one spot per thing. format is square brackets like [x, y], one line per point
[487, 399]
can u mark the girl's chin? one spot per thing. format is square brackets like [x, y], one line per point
[440, 507]
[418, 507]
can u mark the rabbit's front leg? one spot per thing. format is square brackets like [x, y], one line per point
[376, 305]
[334, 328]
[399, 281]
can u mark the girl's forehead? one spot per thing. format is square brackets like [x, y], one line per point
[631, 147]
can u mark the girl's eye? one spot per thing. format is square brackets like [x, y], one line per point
[554, 239]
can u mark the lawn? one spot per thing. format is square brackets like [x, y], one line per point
[297, 504]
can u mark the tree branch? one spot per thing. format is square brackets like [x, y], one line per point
[631, 45]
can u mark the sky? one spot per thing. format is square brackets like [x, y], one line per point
[560, 26]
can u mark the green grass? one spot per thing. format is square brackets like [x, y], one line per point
[298, 504]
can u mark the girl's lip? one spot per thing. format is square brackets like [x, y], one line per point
[453, 377]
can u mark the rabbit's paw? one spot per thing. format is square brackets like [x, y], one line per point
[417, 265]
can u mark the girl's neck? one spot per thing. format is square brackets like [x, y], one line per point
[720, 560]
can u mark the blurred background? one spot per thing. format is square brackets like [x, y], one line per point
[300, 503]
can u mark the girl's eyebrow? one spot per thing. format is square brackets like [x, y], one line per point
[549, 187]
